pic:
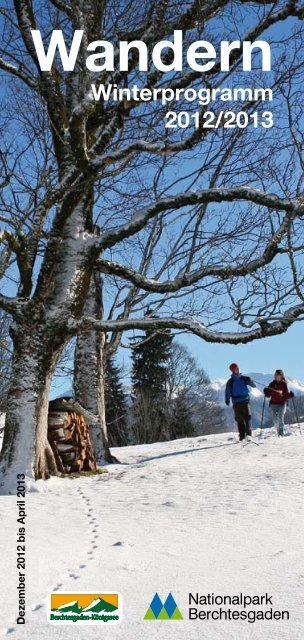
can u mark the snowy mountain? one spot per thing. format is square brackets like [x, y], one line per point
[99, 605]
[69, 607]
[257, 396]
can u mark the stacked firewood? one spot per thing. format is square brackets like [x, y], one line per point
[69, 438]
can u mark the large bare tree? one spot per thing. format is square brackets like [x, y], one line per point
[197, 225]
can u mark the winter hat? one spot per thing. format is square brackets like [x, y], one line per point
[280, 373]
[233, 367]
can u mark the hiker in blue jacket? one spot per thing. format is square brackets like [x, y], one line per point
[237, 390]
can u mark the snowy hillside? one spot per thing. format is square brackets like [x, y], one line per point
[196, 515]
[257, 396]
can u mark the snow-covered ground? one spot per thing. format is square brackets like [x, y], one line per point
[195, 515]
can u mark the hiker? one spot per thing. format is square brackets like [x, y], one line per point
[237, 390]
[279, 395]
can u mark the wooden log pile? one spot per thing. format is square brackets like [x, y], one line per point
[69, 438]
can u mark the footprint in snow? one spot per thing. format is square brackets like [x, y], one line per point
[169, 503]
[8, 630]
[36, 607]
[118, 544]
[82, 566]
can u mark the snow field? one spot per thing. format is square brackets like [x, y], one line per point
[194, 515]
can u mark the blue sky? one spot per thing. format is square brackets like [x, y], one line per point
[278, 352]
[284, 351]
[263, 356]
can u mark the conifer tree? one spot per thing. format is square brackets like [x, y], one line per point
[115, 406]
[149, 379]
[181, 421]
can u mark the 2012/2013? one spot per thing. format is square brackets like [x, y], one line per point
[211, 120]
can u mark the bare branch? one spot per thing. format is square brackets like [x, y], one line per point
[141, 217]
[266, 329]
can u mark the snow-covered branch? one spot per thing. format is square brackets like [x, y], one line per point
[157, 148]
[64, 7]
[19, 73]
[189, 278]
[190, 198]
[266, 328]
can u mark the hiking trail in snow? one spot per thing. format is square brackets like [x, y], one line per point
[194, 515]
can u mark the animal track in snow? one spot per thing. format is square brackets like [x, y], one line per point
[74, 576]
[36, 607]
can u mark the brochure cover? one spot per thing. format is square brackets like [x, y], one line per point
[151, 319]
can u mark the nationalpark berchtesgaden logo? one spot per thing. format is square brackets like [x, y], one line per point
[84, 608]
[163, 611]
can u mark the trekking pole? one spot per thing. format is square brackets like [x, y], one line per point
[261, 384]
[262, 418]
[296, 414]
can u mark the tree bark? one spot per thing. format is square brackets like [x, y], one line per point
[26, 449]
[39, 334]
[89, 376]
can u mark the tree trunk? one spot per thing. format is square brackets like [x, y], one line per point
[89, 377]
[26, 449]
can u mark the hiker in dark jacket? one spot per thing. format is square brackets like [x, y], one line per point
[279, 395]
[237, 390]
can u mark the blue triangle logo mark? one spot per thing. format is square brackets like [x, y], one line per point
[159, 611]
